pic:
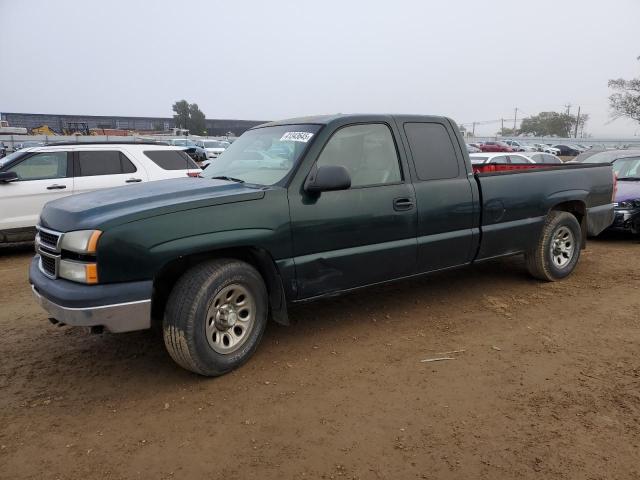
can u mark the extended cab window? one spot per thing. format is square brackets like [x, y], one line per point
[41, 166]
[171, 159]
[432, 150]
[103, 163]
[368, 152]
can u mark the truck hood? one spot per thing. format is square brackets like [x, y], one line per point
[628, 190]
[114, 206]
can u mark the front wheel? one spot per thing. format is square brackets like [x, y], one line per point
[558, 249]
[215, 316]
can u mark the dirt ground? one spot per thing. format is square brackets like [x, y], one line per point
[546, 384]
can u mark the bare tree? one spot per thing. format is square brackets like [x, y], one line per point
[625, 101]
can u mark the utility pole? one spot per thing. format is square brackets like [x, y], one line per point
[502, 129]
[575, 133]
[568, 105]
[473, 129]
[515, 118]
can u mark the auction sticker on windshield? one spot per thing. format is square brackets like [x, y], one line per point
[296, 137]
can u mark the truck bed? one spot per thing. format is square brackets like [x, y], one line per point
[516, 199]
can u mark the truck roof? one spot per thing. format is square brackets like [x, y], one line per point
[327, 119]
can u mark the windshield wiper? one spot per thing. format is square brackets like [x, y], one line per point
[630, 179]
[231, 179]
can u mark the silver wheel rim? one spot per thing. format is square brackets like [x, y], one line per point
[562, 247]
[230, 318]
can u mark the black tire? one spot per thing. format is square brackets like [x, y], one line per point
[540, 261]
[188, 308]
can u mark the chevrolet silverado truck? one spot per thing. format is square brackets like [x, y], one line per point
[298, 210]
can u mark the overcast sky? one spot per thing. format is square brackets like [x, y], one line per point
[471, 60]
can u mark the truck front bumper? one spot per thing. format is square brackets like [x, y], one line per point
[117, 307]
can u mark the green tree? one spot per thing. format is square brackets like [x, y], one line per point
[196, 117]
[181, 117]
[189, 116]
[547, 124]
[508, 132]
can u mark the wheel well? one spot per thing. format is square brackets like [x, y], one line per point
[579, 210]
[260, 259]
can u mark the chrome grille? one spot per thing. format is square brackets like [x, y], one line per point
[48, 265]
[49, 238]
[47, 246]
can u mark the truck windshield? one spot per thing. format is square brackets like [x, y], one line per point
[263, 156]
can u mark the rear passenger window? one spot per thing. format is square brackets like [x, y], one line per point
[171, 159]
[433, 152]
[368, 152]
[103, 163]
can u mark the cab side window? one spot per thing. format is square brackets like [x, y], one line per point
[368, 152]
[432, 150]
[42, 166]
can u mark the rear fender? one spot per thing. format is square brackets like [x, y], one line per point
[573, 202]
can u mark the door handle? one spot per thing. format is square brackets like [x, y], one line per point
[56, 186]
[400, 204]
[133, 180]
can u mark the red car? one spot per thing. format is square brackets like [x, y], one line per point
[495, 147]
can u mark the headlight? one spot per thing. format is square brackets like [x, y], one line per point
[629, 204]
[78, 271]
[81, 241]
[82, 269]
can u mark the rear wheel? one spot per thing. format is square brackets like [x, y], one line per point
[215, 316]
[558, 249]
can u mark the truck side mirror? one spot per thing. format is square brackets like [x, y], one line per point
[6, 177]
[327, 178]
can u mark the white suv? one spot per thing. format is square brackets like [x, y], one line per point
[31, 177]
[213, 148]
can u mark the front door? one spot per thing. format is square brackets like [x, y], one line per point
[363, 235]
[42, 177]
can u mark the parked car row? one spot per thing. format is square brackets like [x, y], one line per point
[202, 151]
[570, 150]
[514, 158]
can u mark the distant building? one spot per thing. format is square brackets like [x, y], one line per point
[60, 122]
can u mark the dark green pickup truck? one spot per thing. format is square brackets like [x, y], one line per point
[297, 210]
